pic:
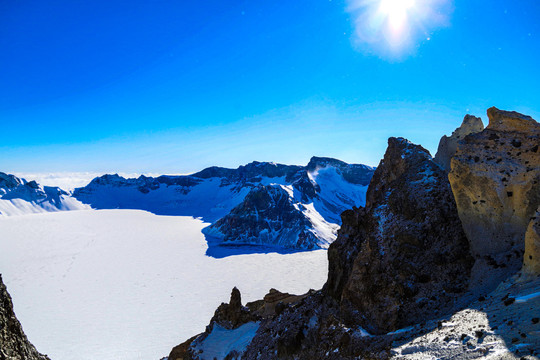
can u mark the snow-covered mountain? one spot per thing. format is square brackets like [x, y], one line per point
[260, 203]
[19, 197]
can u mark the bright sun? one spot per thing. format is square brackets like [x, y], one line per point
[396, 13]
[393, 28]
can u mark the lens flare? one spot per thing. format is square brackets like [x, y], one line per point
[393, 28]
[396, 13]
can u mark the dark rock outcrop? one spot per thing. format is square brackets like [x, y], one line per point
[14, 344]
[267, 217]
[412, 258]
[233, 314]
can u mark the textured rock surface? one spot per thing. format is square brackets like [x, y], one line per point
[449, 144]
[495, 179]
[13, 342]
[266, 216]
[413, 258]
[531, 259]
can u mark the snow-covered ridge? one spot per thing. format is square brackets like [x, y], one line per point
[20, 197]
[259, 203]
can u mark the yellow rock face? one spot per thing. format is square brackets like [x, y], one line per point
[531, 259]
[495, 178]
[448, 144]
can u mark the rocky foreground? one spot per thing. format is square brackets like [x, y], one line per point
[13, 342]
[442, 262]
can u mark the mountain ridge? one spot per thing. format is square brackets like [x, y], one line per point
[231, 200]
[19, 196]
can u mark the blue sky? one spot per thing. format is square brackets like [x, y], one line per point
[176, 86]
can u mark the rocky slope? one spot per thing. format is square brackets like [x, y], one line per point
[18, 197]
[13, 342]
[410, 277]
[260, 203]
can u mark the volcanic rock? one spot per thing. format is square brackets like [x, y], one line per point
[412, 258]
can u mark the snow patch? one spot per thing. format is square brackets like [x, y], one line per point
[222, 341]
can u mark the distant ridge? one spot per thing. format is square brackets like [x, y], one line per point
[260, 203]
[20, 197]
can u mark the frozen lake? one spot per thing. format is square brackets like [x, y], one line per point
[127, 284]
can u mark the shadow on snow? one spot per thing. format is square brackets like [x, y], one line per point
[219, 249]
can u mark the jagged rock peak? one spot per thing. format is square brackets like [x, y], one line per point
[231, 315]
[502, 120]
[410, 257]
[531, 259]
[236, 299]
[448, 144]
[14, 344]
[400, 155]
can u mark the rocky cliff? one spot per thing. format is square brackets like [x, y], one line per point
[495, 179]
[13, 342]
[413, 257]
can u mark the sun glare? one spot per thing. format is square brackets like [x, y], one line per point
[396, 13]
[393, 28]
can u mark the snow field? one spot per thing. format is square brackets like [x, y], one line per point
[127, 284]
